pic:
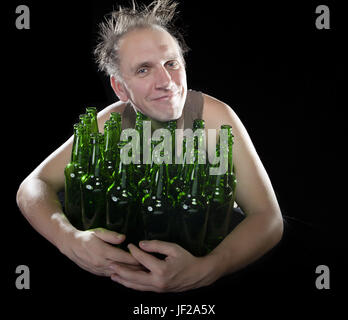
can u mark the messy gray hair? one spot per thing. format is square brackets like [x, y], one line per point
[160, 13]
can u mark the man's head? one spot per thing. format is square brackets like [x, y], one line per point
[144, 59]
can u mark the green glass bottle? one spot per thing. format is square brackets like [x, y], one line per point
[220, 212]
[182, 178]
[111, 149]
[120, 203]
[139, 168]
[192, 203]
[92, 112]
[139, 125]
[145, 184]
[231, 175]
[177, 183]
[237, 215]
[85, 120]
[73, 173]
[116, 117]
[93, 187]
[157, 207]
[201, 154]
[222, 197]
[192, 214]
[172, 167]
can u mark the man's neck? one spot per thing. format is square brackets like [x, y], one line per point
[155, 124]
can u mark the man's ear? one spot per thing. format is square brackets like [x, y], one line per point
[119, 89]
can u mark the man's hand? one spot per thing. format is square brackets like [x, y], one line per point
[91, 251]
[179, 271]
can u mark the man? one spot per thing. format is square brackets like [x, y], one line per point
[144, 60]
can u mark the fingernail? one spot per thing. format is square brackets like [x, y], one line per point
[143, 243]
[120, 236]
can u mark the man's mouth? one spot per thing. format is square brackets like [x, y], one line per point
[165, 97]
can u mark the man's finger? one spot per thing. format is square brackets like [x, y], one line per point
[138, 267]
[136, 276]
[119, 255]
[166, 248]
[108, 236]
[147, 260]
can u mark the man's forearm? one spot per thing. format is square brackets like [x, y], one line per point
[251, 239]
[40, 205]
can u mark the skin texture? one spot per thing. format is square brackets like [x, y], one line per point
[154, 81]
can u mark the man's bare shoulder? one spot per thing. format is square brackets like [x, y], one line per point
[118, 106]
[216, 112]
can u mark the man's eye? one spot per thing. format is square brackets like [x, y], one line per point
[142, 71]
[173, 64]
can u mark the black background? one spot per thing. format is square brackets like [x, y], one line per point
[282, 76]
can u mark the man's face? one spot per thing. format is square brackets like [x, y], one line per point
[153, 72]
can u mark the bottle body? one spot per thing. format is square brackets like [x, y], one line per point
[119, 210]
[221, 195]
[192, 203]
[156, 208]
[120, 202]
[73, 207]
[73, 173]
[93, 187]
[191, 217]
[93, 191]
[220, 211]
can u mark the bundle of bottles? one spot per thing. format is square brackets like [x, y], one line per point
[179, 203]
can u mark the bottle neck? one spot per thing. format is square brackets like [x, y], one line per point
[96, 158]
[161, 181]
[75, 143]
[171, 126]
[79, 150]
[230, 158]
[198, 124]
[139, 121]
[196, 181]
[125, 172]
[110, 134]
[92, 112]
[230, 140]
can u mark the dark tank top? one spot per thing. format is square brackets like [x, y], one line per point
[193, 109]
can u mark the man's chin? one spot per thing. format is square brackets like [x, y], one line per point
[168, 114]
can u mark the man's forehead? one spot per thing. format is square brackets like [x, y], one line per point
[148, 44]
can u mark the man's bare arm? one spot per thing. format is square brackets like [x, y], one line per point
[263, 227]
[38, 201]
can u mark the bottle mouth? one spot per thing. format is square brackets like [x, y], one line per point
[91, 110]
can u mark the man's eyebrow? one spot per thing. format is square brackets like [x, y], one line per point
[150, 64]
[142, 64]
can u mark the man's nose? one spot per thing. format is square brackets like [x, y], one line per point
[163, 78]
